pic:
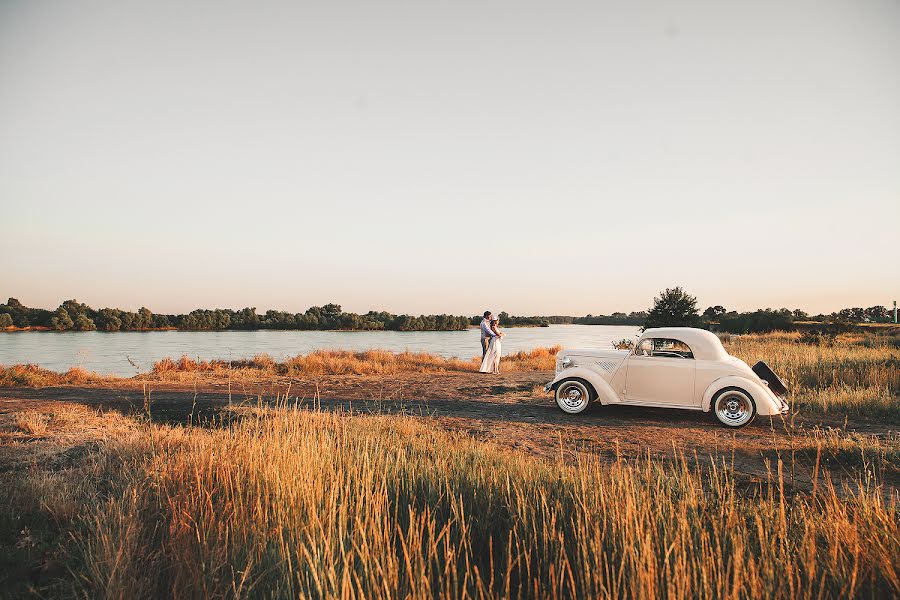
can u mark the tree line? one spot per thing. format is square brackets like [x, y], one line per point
[674, 307]
[76, 316]
[507, 320]
[616, 318]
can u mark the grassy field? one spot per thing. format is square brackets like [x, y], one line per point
[282, 502]
[851, 374]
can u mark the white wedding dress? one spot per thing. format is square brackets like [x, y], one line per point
[491, 362]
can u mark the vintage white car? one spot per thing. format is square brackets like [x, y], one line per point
[670, 367]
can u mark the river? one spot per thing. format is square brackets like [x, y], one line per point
[113, 353]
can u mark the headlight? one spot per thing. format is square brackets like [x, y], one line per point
[566, 362]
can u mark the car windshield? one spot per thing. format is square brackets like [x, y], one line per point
[663, 348]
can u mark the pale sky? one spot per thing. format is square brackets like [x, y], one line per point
[425, 157]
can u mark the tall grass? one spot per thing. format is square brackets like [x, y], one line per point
[343, 362]
[35, 376]
[297, 504]
[851, 374]
[318, 363]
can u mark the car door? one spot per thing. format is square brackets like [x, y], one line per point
[660, 371]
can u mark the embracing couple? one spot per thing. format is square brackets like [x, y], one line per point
[490, 344]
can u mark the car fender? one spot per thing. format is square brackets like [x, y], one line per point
[605, 393]
[767, 403]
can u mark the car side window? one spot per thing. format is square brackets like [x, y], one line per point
[671, 348]
[645, 348]
[663, 348]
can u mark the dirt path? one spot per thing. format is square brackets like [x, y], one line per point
[510, 410]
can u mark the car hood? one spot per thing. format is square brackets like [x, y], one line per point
[616, 355]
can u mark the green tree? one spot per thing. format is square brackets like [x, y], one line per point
[246, 319]
[145, 318]
[878, 314]
[673, 308]
[5, 321]
[714, 312]
[760, 321]
[109, 319]
[128, 320]
[61, 320]
[161, 321]
[84, 323]
[852, 315]
[75, 308]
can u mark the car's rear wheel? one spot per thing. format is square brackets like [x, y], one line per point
[574, 395]
[734, 407]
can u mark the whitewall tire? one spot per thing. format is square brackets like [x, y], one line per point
[733, 407]
[573, 396]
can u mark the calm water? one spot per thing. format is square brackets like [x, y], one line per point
[109, 353]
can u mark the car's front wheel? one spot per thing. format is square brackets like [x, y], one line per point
[574, 395]
[734, 407]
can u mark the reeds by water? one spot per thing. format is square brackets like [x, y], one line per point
[344, 362]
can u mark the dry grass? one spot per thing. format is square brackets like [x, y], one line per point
[850, 449]
[538, 359]
[855, 374]
[850, 360]
[371, 362]
[294, 504]
[343, 362]
[32, 422]
[35, 376]
[46, 429]
[263, 366]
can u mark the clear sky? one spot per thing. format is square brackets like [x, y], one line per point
[539, 158]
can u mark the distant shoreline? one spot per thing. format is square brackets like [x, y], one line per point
[149, 329]
[797, 326]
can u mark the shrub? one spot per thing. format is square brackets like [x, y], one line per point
[760, 321]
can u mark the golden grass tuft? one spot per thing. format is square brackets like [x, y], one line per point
[28, 376]
[32, 422]
[538, 359]
[35, 376]
[77, 375]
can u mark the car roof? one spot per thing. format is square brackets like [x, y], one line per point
[704, 344]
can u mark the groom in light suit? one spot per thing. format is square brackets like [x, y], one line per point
[486, 332]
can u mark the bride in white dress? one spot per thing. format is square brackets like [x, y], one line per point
[491, 362]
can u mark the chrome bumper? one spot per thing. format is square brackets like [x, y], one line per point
[548, 386]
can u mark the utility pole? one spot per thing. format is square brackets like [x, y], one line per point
[895, 311]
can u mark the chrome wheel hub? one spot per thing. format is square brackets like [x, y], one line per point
[572, 396]
[734, 408]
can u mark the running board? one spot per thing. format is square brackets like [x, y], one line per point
[655, 405]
